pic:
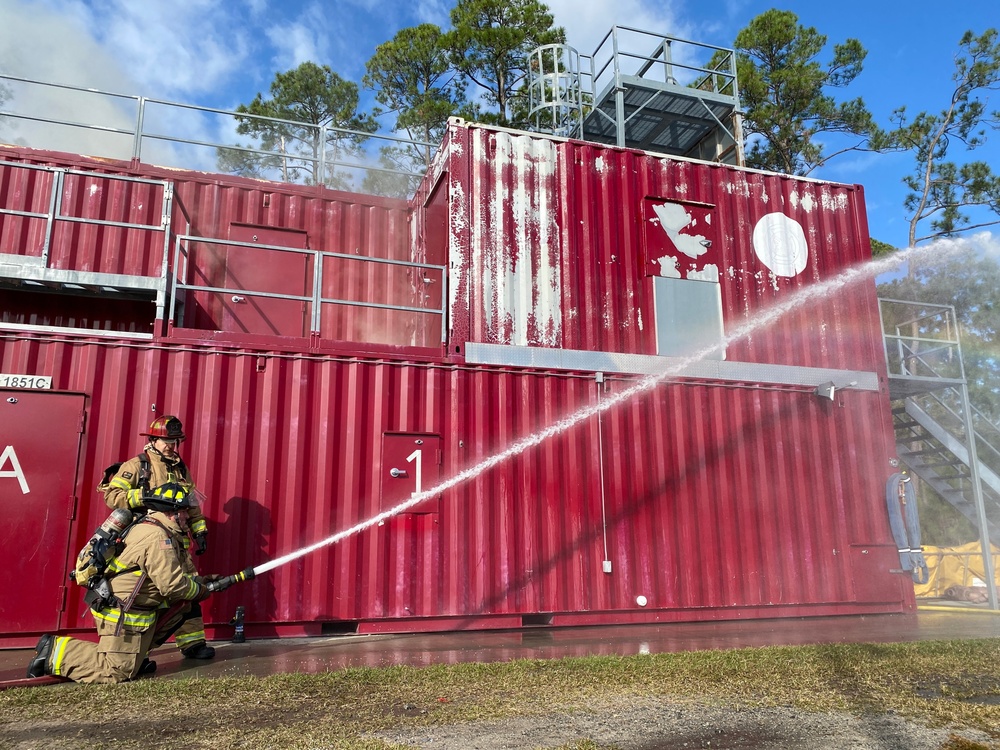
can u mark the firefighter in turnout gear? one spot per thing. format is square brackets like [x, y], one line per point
[158, 464]
[155, 590]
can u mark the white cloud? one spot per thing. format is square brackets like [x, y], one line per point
[433, 11]
[176, 49]
[587, 23]
[988, 243]
[38, 43]
[258, 8]
[295, 43]
[179, 49]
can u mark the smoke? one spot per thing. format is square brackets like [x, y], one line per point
[38, 42]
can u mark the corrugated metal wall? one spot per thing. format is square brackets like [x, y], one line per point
[709, 499]
[714, 497]
[93, 200]
[349, 225]
[103, 223]
[553, 241]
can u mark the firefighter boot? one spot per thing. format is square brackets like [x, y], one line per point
[199, 651]
[148, 666]
[39, 665]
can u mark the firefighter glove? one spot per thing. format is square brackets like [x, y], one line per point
[134, 497]
[220, 584]
[201, 542]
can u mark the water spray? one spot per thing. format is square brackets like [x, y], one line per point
[794, 301]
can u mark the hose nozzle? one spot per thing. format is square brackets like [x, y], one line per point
[221, 584]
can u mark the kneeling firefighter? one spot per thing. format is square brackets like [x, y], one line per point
[153, 588]
[126, 485]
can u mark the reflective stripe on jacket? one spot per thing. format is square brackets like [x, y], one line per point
[155, 547]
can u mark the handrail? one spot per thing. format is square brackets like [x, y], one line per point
[663, 43]
[54, 214]
[141, 133]
[983, 442]
[315, 299]
[919, 335]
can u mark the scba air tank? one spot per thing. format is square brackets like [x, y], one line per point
[100, 548]
[114, 525]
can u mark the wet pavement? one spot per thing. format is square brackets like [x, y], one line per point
[324, 653]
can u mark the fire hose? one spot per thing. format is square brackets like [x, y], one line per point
[904, 523]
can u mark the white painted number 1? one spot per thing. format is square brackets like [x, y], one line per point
[416, 455]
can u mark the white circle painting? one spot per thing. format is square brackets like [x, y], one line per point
[780, 244]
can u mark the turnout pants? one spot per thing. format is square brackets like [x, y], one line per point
[115, 657]
[192, 631]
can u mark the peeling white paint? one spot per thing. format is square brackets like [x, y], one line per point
[519, 243]
[742, 188]
[738, 186]
[668, 267]
[836, 202]
[673, 220]
[458, 292]
[805, 201]
[708, 273]
[599, 165]
[94, 190]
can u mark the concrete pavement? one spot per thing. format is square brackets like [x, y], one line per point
[320, 654]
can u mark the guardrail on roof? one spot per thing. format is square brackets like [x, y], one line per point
[61, 117]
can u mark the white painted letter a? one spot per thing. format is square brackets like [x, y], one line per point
[9, 455]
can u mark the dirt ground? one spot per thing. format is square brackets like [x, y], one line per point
[665, 726]
[651, 725]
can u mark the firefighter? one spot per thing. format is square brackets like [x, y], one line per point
[158, 464]
[154, 591]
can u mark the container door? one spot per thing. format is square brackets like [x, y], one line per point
[39, 448]
[409, 542]
[262, 270]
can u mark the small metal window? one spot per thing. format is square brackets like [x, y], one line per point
[688, 317]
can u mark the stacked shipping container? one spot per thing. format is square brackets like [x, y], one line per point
[559, 271]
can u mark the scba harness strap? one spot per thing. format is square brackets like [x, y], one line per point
[111, 479]
[97, 565]
[145, 472]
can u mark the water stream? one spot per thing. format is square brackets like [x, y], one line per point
[795, 300]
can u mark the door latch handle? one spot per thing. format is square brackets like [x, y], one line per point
[396, 473]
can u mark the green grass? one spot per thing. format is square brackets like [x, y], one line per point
[942, 684]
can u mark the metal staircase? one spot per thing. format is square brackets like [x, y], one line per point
[930, 440]
[940, 436]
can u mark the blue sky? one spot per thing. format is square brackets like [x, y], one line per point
[220, 53]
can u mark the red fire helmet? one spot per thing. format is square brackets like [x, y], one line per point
[167, 427]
